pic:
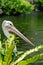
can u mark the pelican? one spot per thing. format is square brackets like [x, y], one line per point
[8, 27]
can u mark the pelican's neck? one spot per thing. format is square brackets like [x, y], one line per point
[6, 32]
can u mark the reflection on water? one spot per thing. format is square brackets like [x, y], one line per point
[31, 26]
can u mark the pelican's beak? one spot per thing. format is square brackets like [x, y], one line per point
[17, 32]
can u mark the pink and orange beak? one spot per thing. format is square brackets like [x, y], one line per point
[17, 32]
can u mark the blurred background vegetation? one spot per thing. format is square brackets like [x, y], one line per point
[15, 6]
[20, 6]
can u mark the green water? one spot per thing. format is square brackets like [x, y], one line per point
[31, 26]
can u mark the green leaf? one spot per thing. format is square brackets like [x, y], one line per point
[31, 60]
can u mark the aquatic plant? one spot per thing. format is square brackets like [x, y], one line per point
[7, 54]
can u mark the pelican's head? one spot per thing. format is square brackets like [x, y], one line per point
[8, 26]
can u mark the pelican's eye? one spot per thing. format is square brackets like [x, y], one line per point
[11, 24]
